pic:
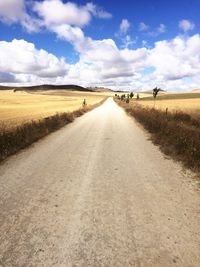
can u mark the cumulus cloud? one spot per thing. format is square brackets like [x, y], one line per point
[177, 58]
[14, 11]
[117, 66]
[49, 13]
[68, 19]
[71, 34]
[173, 62]
[11, 10]
[124, 26]
[21, 57]
[56, 13]
[101, 61]
[186, 25]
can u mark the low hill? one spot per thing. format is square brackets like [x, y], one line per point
[196, 91]
[100, 89]
[43, 87]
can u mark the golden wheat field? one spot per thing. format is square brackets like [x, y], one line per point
[177, 102]
[19, 107]
[189, 105]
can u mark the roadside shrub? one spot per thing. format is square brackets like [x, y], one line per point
[12, 140]
[177, 133]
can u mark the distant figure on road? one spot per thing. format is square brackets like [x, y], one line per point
[84, 102]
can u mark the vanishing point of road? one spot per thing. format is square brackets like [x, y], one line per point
[98, 193]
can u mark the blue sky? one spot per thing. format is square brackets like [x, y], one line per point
[118, 44]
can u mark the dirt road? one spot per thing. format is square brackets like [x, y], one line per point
[98, 193]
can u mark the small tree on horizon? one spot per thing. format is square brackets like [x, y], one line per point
[155, 92]
[123, 97]
[131, 95]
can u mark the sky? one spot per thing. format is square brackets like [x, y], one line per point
[122, 45]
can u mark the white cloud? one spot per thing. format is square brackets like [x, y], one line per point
[71, 34]
[68, 19]
[14, 11]
[116, 67]
[98, 11]
[11, 10]
[31, 24]
[101, 62]
[56, 13]
[175, 59]
[124, 26]
[102, 14]
[128, 41]
[21, 57]
[143, 27]
[161, 28]
[51, 13]
[186, 25]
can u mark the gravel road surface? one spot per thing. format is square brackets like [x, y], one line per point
[98, 193]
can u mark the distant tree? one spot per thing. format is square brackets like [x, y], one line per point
[116, 95]
[131, 95]
[155, 92]
[138, 96]
[84, 103]
[123, 97]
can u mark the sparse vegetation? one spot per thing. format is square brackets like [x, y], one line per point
[14, 139]
[190, 106]
[177, 133]
[127, 100]
[23, 107]
[84, 102]
[123, 97]
[155, 92]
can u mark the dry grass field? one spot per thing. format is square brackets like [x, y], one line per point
[185, 102]
[177, 132]
[21, 107]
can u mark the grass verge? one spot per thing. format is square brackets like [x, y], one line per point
[178, 134]
[12, 140]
